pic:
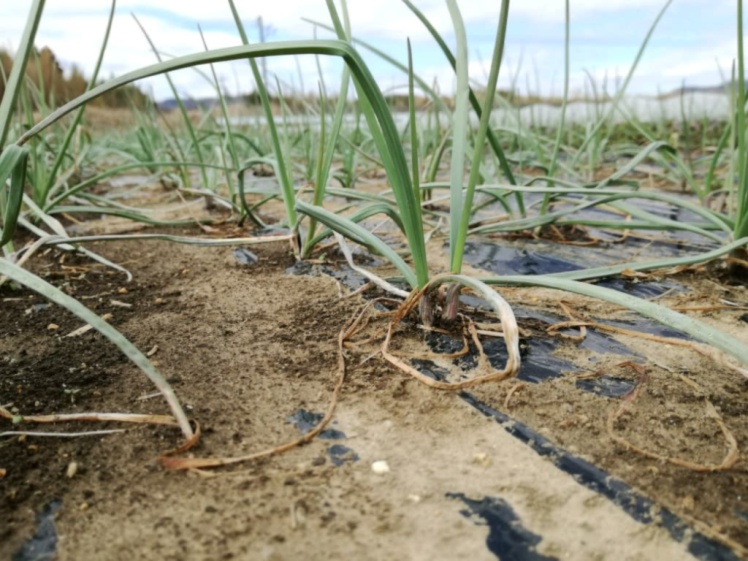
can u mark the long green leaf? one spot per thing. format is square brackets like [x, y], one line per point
[390, 149]
[592, 134]
[128, 214]
[114, 171]
[226, 120]
[492, 140]
[565, 98]
[361, 235]
[62, 149]
[493, 76]
[180, 104]
[13, 165]
[697, 329]
[435, 97]
[741, 214]
[362, 214]
[459, 135]
[380, 116]
[283, 170]
[643, 154]
[414, 146]
[608, 195]
[327, 146]
[15, 80]
[667, 263]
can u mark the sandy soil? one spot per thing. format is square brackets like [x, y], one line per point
[247, 347]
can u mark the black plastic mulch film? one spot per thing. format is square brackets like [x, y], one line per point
[507, 539]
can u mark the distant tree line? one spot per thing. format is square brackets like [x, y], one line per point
[49, 85]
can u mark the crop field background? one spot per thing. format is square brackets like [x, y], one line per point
[573, 261]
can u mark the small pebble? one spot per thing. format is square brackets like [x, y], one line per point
[688, 502]
[72, 470]
[380, 467]
[482, 459]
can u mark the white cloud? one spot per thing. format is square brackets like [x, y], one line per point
[74, 29]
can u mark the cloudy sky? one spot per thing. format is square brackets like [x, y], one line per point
[693, 42]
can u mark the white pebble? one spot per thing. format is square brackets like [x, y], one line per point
[380, 467]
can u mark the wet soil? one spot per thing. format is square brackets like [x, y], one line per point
[251, 350]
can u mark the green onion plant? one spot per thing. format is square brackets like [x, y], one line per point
[479, 175]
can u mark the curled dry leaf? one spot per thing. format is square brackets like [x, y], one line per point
[167, 461]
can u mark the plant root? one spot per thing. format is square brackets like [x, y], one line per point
[514, 389]
[60, 434]
[556, 329]
[731, 457]
[96, 417]
[172, 463]
[704, 350]
[510, 333]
